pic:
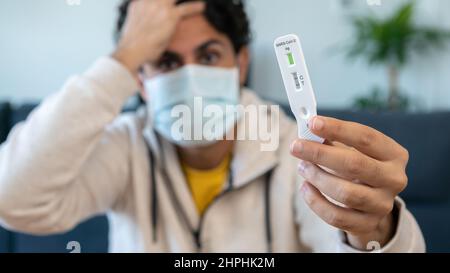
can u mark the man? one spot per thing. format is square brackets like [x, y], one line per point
[73, 158]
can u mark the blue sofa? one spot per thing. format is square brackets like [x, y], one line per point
[426, 136]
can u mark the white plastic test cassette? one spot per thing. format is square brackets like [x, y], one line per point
[297, 83]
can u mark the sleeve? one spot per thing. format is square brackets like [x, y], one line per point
[320, 237]
[408, 237]
[67, 161]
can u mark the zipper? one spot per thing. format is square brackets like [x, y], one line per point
[198, 233]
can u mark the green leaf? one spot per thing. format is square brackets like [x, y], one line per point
[391, 41]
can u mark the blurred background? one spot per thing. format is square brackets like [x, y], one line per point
[46, 41]
[385, 63]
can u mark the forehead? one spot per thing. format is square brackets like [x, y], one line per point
[192, 32]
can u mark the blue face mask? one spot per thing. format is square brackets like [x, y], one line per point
[195, 105]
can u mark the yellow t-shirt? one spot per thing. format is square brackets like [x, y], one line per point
[206, 185]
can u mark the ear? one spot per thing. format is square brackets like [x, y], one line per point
[243, 60]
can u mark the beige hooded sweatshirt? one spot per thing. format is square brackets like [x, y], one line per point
[76, 157]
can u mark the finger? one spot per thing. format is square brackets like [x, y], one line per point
[348, 163]
[365, 139]
[190, 8]
[342, 218]
[338, 144]
[355, 196]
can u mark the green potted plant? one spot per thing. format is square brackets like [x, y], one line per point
[390, 42]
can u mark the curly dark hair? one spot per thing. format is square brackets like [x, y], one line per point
[226, 16]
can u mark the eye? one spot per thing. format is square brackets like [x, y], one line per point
[168, 65]
[209, 58]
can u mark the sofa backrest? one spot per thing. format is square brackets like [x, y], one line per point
[427, 138]
[5, 111]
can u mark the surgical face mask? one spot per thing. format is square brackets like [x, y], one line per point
[195, 105]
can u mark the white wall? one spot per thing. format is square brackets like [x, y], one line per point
[42, 42]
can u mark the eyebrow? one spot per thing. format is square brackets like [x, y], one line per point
[204, 46]
[175, 56]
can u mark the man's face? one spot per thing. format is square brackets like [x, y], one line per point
[196, 41]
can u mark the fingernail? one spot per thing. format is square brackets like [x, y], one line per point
[302, 167]
[292, 147]
[297, 147]
[318, 124]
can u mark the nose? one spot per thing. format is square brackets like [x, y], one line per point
[189, 59]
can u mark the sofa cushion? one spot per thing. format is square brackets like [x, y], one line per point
[92, 236]
[434, 222]
[4, 241]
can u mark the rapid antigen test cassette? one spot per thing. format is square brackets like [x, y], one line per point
[297, 83]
